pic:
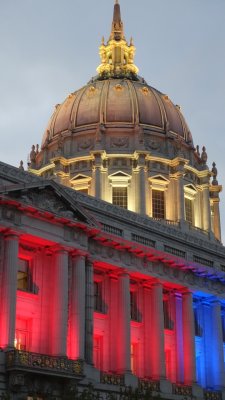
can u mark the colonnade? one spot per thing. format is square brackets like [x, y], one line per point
[78, 309]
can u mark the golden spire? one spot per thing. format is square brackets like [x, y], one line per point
[117, 56]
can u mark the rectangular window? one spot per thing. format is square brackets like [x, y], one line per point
[98, 303]
[119, 196]
[198, 327]
[223, 325]
[134, 358]
[158, 204]
[21, 334]
[23, 275]
[98, 352]
[133, 306]
[189, 211]
[168, 322]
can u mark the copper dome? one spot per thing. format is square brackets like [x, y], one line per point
[117, 103]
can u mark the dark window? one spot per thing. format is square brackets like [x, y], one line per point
[119, 196]
[23, 275]
[98, 305]
[133, 306]
[198, 327]
[189, 211]
[158, 204]
[168, 322]
[223, 325]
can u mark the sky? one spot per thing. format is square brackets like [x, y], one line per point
[49, 48]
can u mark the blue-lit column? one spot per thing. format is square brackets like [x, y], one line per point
[217, 346]
[207, 342]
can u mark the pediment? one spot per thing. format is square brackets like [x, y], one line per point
[80, 177]
[160, 178]
[50, 197]
[119, 174]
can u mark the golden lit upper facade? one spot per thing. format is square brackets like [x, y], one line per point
[123, 141]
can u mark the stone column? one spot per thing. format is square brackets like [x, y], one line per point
[124, 341]
[9, 288]
[97, 173]
[206, 209]
[188, 339]
[217, 226]
[179, 339]
[157, 322]
[147, 332]
[89, 312]
[77, 307]
[180, 198]
[217, 353]
[60, 303]
[113, 323]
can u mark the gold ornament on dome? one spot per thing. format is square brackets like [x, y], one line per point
[117, 56]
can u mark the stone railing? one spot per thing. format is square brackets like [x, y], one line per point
[112, 379]
[61, 366]
[148, 384]
[182, 390]
[212, 395]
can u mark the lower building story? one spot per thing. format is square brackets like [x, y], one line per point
[82, 304]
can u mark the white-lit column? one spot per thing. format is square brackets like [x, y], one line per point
[188, 339]
[89, 312]
[217, 353]
[158, 350]
[60, 303]
[9, 288]
[217, 225]
[77, 307]
[124, 323]
[206, 209]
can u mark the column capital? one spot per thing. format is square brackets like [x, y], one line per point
[79, 253]
[11, 234]
[58, 248]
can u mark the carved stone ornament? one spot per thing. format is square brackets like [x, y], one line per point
[48, 201]
[153, 145]
[121, 142]
[85, 144]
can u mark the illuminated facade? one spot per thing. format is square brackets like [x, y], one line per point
[112, 268]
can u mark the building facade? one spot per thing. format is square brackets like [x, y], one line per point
[112, 267]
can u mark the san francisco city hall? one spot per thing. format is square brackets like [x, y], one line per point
[111, 263]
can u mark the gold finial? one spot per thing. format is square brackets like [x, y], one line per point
[117, 55]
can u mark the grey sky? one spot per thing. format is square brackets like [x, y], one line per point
[49, 48]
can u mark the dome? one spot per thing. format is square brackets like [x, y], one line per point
[118, 103]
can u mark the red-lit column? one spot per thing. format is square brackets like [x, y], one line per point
[9, 288]
[147, 332]
[188, 339]
[179, 339]
[77, 308]
[89, 312]
[124, 324]
[158, 350]
[113, 324]
[60, 303]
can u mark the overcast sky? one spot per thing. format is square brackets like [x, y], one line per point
[49, 48]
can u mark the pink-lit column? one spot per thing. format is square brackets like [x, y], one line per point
[147, 332]
[8, 312]
[77, 307]
[89, 312]
[113, 324]
[158, 348]
[124, 324]
[188, 339]
[60, 303]
[179, 339]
